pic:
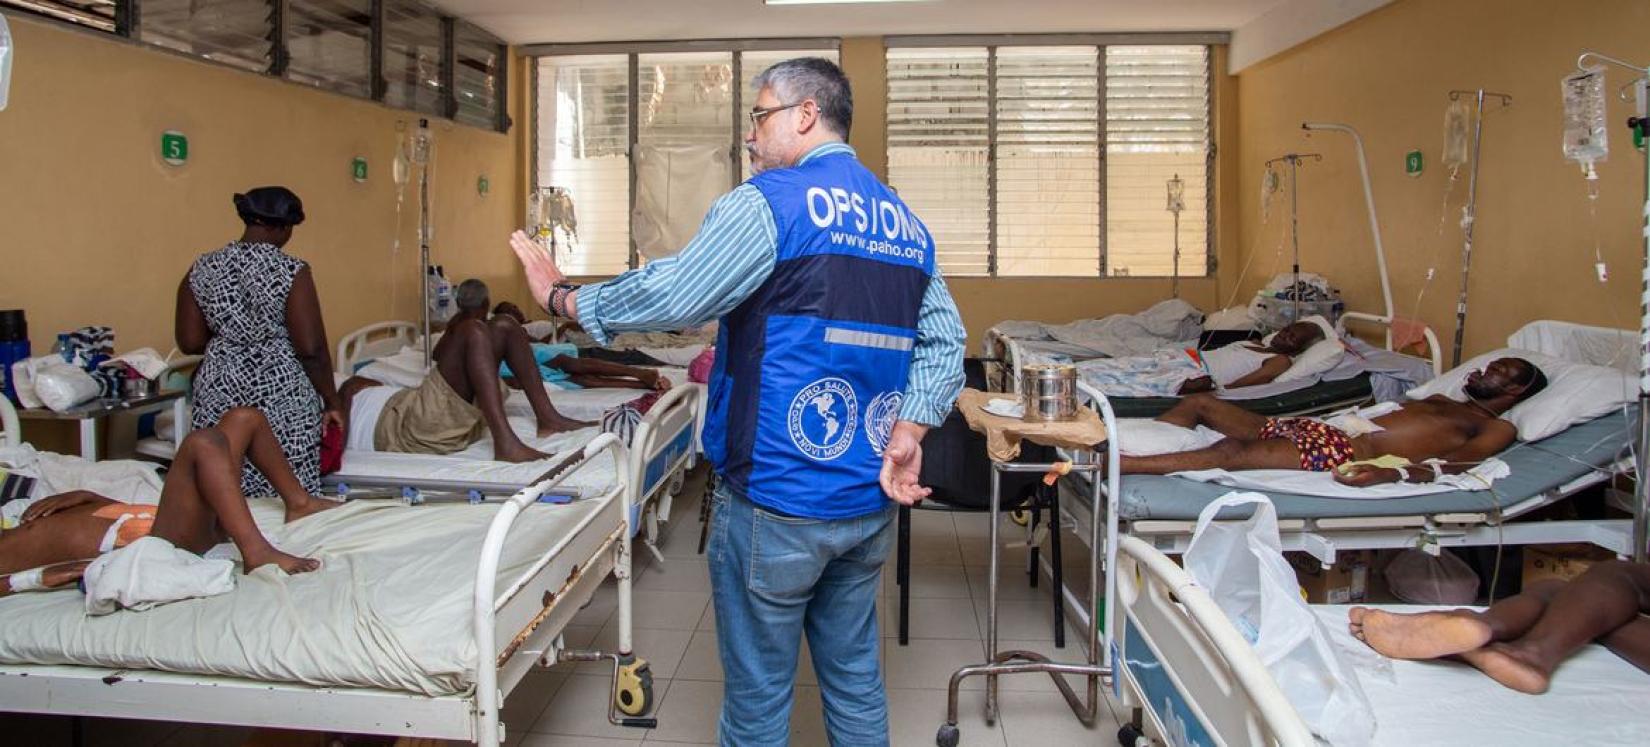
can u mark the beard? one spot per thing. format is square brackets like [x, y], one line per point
[1479, 390]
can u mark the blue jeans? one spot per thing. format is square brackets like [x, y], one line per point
[775, 577]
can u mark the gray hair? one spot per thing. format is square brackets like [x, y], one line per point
[814, 78]
[472, 295]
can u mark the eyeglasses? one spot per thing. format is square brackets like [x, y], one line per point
[757, 115]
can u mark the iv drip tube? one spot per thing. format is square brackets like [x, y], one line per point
[1369, 201]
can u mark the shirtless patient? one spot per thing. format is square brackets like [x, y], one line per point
[200, 506]
[462, 399]
[1461, 434]
[566, 362]
[1520, 640]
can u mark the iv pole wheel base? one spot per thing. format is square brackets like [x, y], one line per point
[1020, 516]
[635, 692]
[947, 736]
[1128, 736]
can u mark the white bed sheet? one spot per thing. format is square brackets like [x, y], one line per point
[1596, 699]
[390, 607]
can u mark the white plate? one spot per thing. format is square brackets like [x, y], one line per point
[1004, 408]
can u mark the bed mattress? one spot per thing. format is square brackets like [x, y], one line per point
[475, 466]
[1536, 468]
[390, 607]
[1317, 397]
[1439, 702]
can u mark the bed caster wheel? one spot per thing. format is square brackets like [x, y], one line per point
[947, 736]
[676, 482]
[1128, 736]
[635, 692]
[1020, 516]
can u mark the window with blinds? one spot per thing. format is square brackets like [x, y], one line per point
[1157, 128]
[643, 195]
[329, 44]
[412, 57]
[477, 60]
[751, 64]
[237, 33]
[939, 139]
[584, 148]
[97, 14]
[1002, 153]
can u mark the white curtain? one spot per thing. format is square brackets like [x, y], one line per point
[675, 186]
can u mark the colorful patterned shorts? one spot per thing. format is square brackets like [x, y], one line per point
[1323, 447]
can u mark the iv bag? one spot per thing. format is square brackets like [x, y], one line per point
[1268, 187]
[1586, 138]
[5, 61]
[1456, 118]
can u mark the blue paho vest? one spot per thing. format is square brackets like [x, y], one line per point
[810, 370]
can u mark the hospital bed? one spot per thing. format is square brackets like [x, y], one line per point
[1346, 385]
[1191, 678]
[419, 624]
[663, 446]
[1162, 510]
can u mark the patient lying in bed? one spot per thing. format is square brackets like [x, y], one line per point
[200, 506]
[1461, 434]
[1519, 641]
[1175, 372]
[462, 399]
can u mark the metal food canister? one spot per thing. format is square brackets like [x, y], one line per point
[1049, 393]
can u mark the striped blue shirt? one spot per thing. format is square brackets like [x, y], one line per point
[731, 256]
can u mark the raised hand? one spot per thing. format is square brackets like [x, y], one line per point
[542, 273]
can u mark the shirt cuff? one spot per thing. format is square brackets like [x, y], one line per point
[924, 411]
[589, 301]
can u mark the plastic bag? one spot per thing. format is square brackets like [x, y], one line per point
[1241, 563]
[1419, 578]
[61, 386]
[23, 375]
[1586, 138]
[1456, 119]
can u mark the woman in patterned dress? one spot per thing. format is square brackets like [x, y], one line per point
[253, 310]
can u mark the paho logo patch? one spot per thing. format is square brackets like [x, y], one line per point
[823, 418]
[879, 419]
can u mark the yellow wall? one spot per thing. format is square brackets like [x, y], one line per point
[986, 301]
[95, 229]
[1388, 74]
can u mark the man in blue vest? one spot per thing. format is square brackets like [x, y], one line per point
[839, 347]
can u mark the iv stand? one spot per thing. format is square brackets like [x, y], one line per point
[421, 155]
[1641, 487]
[1469, 214]
[1177, 203]
[1294, 160]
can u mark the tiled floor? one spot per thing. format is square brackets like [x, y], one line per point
[675, 632]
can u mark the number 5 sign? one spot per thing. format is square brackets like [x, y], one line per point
[174, 147]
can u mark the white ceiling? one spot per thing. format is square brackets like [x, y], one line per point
[541, 21]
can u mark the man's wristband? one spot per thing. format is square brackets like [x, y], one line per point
[558, 299]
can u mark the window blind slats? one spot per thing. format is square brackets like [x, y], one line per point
[233, 32]
[1048, 161]
[938, 148]
[97, 14]
[584, 147]
[412, 56]
[329, 43]
[475, 76]
[1157, 127]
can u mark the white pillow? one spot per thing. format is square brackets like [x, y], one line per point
[1149, 437]
[1575, 392]
[1322, 356]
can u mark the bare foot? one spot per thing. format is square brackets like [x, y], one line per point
[560, 424]
[655, 381]
[292, 564]
[311, 505]
[1506, 665]
[518, 453]
[1425, 635]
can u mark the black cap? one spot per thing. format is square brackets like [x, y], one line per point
[270, 206]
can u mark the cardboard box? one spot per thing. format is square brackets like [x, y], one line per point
[1563, 562]
[1346, 583]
